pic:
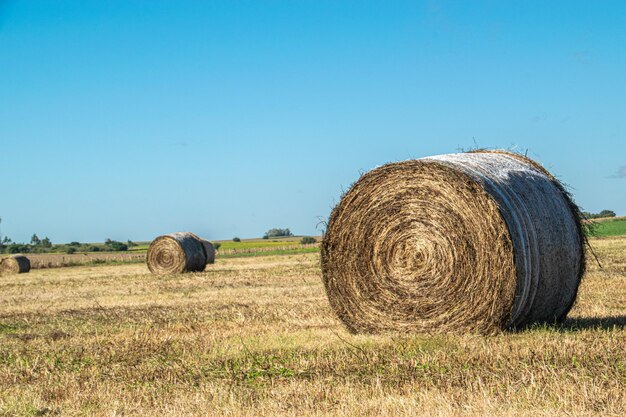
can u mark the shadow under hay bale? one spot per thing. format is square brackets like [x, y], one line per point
[15, 264]
[477, 242]
[179, 252]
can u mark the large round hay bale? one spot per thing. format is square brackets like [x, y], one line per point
[477, 242]
[14, 264]
[179, 252]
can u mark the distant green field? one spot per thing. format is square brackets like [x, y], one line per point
[139, 248]
[606, 228]
[244, 244]
[258, 243]
[294, 251]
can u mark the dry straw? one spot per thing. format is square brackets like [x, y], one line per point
[477, 241]
[179, 252]
[15, 264]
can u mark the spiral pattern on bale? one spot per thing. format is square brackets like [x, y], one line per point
[475, 242]
[15, 264]
[179, 252]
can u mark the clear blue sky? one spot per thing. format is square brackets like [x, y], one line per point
[129, 119]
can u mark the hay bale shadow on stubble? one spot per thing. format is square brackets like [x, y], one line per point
[607, 323]
[588, 323]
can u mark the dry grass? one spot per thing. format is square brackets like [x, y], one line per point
[256, 336]
[59, 260]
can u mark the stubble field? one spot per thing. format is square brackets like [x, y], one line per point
[256, 336]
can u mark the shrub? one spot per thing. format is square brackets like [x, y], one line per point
[236, 239]
[70, 250]
[118, 246]
[75, 244]
[216, 245]
[114, 245]
[18, 248]
[306, 240]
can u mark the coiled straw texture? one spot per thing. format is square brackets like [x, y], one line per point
[15, 264]
[179, 252]
[475, 242]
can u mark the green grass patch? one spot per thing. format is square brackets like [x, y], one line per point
[607, 228]
[8, 328]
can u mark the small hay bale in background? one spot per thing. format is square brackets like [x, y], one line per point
[479, 241]
[209, 250]
[15, 264]
[179, 252]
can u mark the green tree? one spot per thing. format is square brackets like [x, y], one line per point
[117, 246]
[4, 241]
[46, 243]
[34, 240]
[607, 213]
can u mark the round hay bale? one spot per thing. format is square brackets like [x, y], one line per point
[179, 252]
[477, 242]
[15, 264]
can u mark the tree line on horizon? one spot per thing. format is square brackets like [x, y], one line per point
[603, 214]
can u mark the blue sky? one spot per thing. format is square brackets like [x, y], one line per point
[129, 119]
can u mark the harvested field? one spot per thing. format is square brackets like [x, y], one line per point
[58, 260]
[256, 336]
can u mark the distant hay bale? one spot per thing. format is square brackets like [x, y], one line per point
[179, 252]
[477, 242]
[15, 264]
[209, 250]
